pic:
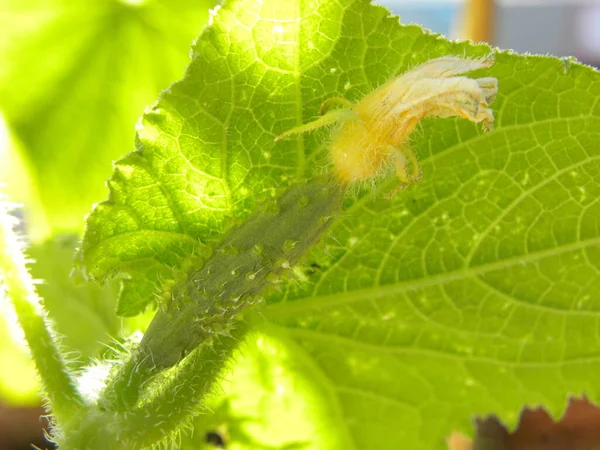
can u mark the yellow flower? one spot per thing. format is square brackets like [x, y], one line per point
[375, 130]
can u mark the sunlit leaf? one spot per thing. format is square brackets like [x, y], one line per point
[471, 292]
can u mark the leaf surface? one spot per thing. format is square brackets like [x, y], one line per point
[82, 314]
[474, 291]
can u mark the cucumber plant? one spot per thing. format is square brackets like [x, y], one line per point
[284, 305]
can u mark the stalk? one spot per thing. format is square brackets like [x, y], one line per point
[63, 397]
[177, 398]
[209, 303]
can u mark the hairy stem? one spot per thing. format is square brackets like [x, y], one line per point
[177, 397]
[62, 394]
[250, 257]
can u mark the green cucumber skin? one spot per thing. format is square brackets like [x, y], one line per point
[246, 261]
[250, 257]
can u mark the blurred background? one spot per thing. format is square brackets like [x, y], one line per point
[567, 28]
[75, 75]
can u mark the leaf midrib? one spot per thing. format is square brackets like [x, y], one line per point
[322, 301]
[319, 335]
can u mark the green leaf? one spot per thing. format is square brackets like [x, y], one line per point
[169, 198]
[264, 400]
[74, 78]
[83, 314]
[472, 292]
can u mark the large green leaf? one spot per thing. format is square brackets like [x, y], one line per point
[474, 291]
[74, 78]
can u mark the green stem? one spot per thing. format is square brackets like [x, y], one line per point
[250, 258]
[177, 398]
[64, 398]
[177, 401]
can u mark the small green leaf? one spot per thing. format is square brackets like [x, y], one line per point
[474, 291]
[82, 314]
